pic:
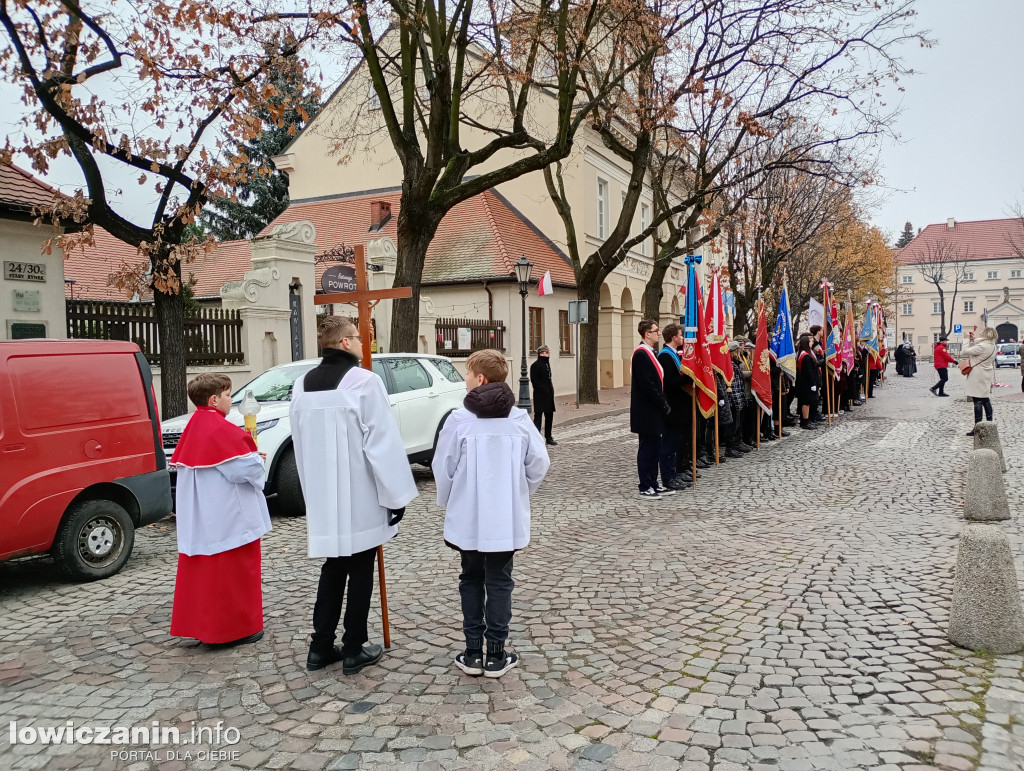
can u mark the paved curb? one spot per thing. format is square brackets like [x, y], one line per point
[577, 419]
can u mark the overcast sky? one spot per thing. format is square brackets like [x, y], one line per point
[962, 117]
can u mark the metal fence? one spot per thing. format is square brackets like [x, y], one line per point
[212, 335]
[460, 337]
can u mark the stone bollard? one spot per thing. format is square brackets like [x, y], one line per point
[985, 496]
[986, 434]
[985, 614]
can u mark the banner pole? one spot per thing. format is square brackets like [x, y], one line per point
[693, 434]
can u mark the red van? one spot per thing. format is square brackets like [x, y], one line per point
[81, 461]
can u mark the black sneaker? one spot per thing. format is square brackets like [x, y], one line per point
[471, 663]
[649, 493]
[497, 665]
[662, 490]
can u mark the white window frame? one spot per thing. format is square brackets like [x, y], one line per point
[907, 278]
[602, 208]
[992, 275]
[936, 307]
[907, 310]
[1017, 273]
[645, 215]
[968, 306]
[970, 276]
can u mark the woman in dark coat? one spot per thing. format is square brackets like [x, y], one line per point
[543, 391]
[808, 380]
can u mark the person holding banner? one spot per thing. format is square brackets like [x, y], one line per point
[648, 409]
[807, 380]
[356, 483]
[675, 441]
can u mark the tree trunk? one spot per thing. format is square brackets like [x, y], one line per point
[589, 342]
[170, 314]
[942, 312]
[415, 232]
[654, 291]
[739, 324]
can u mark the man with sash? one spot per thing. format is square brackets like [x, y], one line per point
[648, 409]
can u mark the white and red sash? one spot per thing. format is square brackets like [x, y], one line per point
[654, 360]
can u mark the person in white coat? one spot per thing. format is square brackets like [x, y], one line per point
[490, 459]
[221, 514]
[356, 483]
[980, 355]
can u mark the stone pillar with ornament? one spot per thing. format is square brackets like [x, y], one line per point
[275, 298]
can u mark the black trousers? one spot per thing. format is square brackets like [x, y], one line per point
[982, 404]
[548, 419]
[358, 571]
[647, 460]
[667, 458]
[485, 586]
[943, 377]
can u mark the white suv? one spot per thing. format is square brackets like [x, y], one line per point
[1008, 355]
[423, 391]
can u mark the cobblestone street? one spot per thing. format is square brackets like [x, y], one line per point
[790, 614]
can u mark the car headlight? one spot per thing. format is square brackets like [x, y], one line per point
[263, 426]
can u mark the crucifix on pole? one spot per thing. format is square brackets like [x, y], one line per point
[365, 299]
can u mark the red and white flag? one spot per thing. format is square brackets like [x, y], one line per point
[544, 287]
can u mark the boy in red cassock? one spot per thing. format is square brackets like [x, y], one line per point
[221, 515]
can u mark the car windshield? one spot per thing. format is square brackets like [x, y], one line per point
[448, 370]
[274, 385]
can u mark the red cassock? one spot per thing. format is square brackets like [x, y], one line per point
[218, 597]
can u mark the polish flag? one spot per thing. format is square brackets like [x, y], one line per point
[544, 287]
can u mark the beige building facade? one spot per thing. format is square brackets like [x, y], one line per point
[331, 158]
[976, 261]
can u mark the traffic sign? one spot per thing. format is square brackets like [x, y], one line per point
[958, 329]
[578, 310]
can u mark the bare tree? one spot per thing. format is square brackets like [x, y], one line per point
[941, 262]
[137, 92]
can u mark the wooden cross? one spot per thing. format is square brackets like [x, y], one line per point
[365, 299]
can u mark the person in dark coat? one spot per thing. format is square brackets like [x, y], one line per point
[807, 380]
[725, 423]
[543, 392]
[738, 398]
[648, 409]
[676, 435]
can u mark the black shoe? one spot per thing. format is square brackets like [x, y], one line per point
[240, 641]
[933, 389]
[773, 437]
[733, 453]
[318, 660]
[498, 664]
[367, 656]
[722, 457]
[662, 490]
[683, 476]
[784, 433]
[678, 484]
[703, 462]
[808, 427]
[970, 433]
[550, 441]
[744, 447]
[943, 394]
[471, 663]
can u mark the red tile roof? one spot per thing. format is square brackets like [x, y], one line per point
[979, 240]
[20, 191]
[93, 268]
[480, 238]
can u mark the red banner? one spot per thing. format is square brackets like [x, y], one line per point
[761, 377]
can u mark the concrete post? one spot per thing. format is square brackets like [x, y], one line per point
[280, 260]
[985, 494]
[382, 252]
[986, 434]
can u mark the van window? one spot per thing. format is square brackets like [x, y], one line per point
[57, 391]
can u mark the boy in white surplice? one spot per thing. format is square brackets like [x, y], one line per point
[489, 459]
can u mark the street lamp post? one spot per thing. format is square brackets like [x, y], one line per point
[523, 267]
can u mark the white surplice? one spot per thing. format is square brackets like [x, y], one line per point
[222, 507]
[352, 464]
[486, 469]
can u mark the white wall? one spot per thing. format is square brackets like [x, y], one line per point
[22, 242]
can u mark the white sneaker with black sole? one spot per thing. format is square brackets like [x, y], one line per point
[496, 666]
[662, 490]
[649, 493]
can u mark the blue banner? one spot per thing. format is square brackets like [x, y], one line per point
[782, 339]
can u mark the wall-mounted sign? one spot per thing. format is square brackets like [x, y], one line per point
[29, 300]
[339, 278]
[24, 271]
[25, 330]
[465, 338]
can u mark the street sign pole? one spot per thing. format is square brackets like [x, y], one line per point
[578, 315]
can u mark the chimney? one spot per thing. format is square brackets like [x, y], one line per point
[380, 213]
[950, 223]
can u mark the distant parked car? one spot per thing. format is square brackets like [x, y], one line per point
[80, 459]
[423, 391]
[1008, 355]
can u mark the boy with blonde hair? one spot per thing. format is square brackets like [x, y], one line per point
[488, 508]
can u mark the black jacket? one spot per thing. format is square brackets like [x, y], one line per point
[647, 405]
[543, 388]
[675, 391]
[808, 379]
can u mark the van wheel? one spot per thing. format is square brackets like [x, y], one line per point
[95, 540]
[289, 489]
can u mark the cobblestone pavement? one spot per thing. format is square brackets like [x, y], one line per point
[790, 614]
